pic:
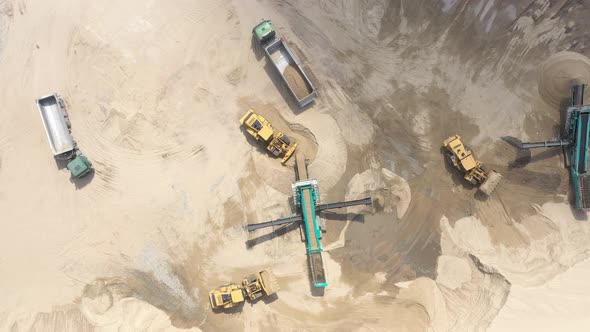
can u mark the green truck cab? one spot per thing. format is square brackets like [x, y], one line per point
[80, 167]
[264, 32]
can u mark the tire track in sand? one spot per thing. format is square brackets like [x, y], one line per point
[125, 117]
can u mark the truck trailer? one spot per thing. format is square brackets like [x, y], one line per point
[58, 130]
[286, 64]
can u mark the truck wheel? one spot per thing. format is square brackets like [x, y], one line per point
[450, 157]
[275, 152]
[286, 139]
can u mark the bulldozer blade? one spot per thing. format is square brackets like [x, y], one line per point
[491, 183]
[289, 153]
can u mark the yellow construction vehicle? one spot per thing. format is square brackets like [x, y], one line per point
[276, 142]
[226, 297]
[462, 158]
[252, 287]
[261, 283]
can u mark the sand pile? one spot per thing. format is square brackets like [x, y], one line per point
[390, 192]
[150, 97]
[559, 73]
[297, 82]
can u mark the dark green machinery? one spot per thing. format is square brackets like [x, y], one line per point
[79, 167]
[575, 143]
[306, 196]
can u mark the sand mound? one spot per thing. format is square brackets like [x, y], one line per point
[538, 308]
[330, 162]
[389, 191]
[297, 83]
[467, 293]
[558, 74]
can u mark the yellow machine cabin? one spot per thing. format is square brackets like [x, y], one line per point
[226, 297]
[276, 142]
[462, 158]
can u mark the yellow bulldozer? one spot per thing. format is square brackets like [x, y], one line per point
[277, 143]
[462, 158]
[252, 287]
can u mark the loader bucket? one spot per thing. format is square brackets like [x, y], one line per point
[289, 153]
[269, 282]
[490, 184]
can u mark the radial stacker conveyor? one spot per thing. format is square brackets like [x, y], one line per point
[575, 143]
[307, 204]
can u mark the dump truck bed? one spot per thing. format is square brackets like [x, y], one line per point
[290, 70]
[54, 122]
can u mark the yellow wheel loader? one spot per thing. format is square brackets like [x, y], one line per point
[277, 143]
[261, 283]
[462, 158]
[252, 287]
[226, 297]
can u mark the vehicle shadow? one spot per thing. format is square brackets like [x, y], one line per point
[266, 299]
[82, 182]
[525, 156]
[579, 215]
[256, 48]
[60, 163]
[230, 311]
[281, 230]
[329, 215]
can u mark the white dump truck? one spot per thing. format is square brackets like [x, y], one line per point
[284, 61]
[57, 127]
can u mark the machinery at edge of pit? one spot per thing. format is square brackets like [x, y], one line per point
[575, 145]
[252, 287]
[306, 197]
[462, 158]
[277, 143]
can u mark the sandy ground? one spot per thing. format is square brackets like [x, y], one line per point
[155, 90]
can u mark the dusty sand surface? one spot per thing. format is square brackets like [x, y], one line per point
[154, 91]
